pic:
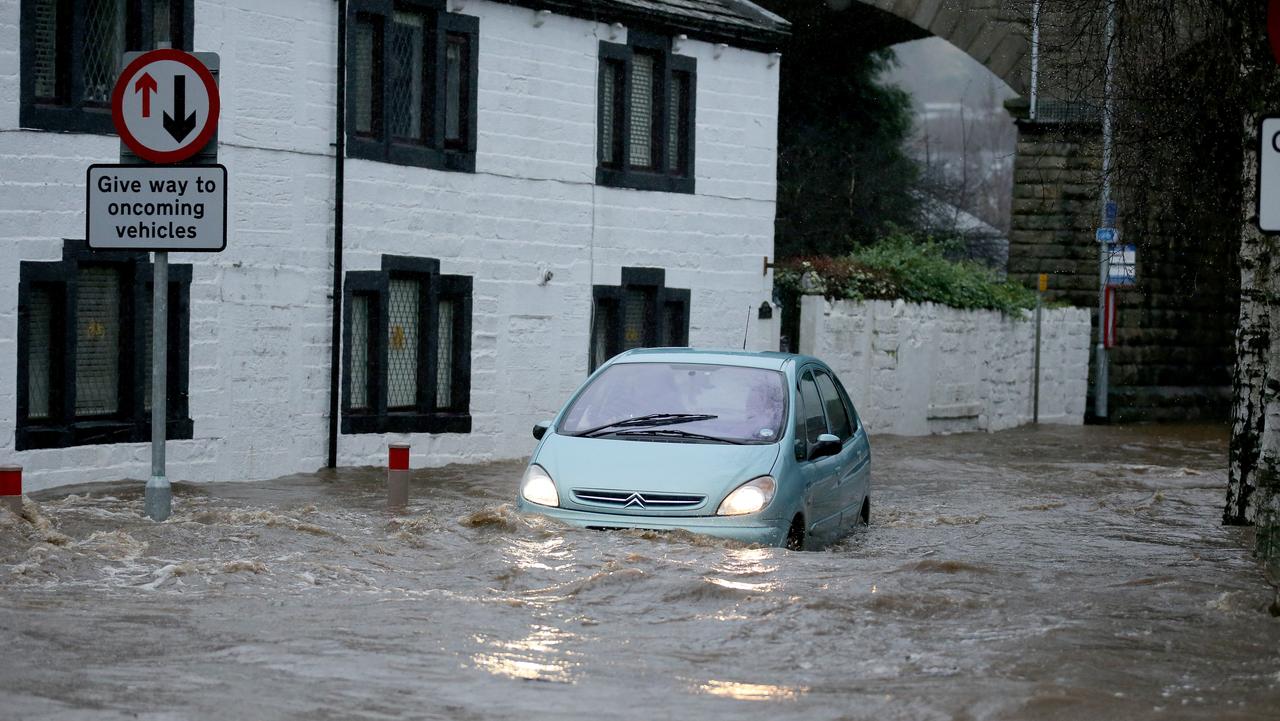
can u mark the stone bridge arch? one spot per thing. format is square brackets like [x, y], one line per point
[993, 32]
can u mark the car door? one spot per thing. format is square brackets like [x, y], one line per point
[861, 455]
[821, 475]
[841, 426]
[855, 456]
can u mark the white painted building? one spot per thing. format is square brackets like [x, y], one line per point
[484, 178]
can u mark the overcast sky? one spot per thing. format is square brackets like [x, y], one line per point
[935, 71]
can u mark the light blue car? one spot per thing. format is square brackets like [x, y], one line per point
[764, 448]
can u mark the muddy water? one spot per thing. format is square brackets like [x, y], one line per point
[1022, 575]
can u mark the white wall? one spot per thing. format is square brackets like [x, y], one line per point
[916, 369]
[260, 311]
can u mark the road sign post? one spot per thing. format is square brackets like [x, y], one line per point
[158, 495]
[165, 108]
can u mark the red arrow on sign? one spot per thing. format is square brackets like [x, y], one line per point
[147, 85]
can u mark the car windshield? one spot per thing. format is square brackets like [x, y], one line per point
[743, 405]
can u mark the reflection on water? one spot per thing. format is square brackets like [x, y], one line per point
[750, 691]
[1035, 574]
[535, 657]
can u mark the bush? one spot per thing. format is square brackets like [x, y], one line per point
[900, 267]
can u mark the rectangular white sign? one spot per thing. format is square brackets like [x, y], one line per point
[1122, 269]
[157, 207]
[1269, 175]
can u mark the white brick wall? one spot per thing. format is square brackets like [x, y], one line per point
[260, 318]
[916, 369]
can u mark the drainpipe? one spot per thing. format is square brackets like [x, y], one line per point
[1035, 58]
[339, 171]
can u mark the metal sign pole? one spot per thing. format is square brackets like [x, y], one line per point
[1035, 391]
[159, 495]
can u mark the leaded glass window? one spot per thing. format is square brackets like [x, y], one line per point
[646, 115]
[635, 318]
[407, 340]
[98, 341]
[412, 85]
[456, 101]
[48, 47]
[39, 356]
[674, 324]
[70, 63]
[85, 347]
[640, 313]
[611, 83]
[444, 354]
[402, 343]
[103, 46]
[641, 136]
[406, 72]
[360, 352]
[366, 67]
[677, 111]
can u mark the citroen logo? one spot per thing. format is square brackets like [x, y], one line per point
[635, 499]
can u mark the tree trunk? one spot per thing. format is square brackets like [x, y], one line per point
[1265, 504]
[1253, 346]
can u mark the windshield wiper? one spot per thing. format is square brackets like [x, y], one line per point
[652, 419]
[677, 433]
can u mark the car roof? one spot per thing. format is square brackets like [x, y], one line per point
[748, 359]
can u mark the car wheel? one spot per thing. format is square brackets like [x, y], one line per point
[864, 517]
[796, 534]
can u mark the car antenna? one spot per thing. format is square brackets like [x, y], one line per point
[747, 328]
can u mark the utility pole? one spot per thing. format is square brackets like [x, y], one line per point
[1100, 384]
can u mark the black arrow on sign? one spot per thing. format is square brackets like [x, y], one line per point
[178, 128]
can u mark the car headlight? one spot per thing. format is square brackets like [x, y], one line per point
[750, 497]
[537, 487]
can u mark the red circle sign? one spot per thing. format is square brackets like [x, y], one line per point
[150, 111]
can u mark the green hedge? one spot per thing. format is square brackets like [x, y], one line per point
[900, 267]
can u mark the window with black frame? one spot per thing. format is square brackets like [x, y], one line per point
[412, 74]
[71, 51]
[408, 349]
[84, 344]
[646, 115]
[640, 313]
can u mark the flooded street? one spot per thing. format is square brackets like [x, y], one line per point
[1021, 575]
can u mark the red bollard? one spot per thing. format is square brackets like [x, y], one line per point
[398, 475]
[11, 488]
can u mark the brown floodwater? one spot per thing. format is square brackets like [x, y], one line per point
[1050, 573]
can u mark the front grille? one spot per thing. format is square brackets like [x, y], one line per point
[639, 500]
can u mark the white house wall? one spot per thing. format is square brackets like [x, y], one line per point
[260, 311]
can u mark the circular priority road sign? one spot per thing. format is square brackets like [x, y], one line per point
[165, 106]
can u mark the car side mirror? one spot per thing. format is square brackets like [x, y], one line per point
[826, 445]
[540, 429]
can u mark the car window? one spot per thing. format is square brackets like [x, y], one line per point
[746, 404]
[837, 414]
[848, 403]
[815, 423]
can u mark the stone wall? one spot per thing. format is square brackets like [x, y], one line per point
[1174, 328]
[916, 369]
